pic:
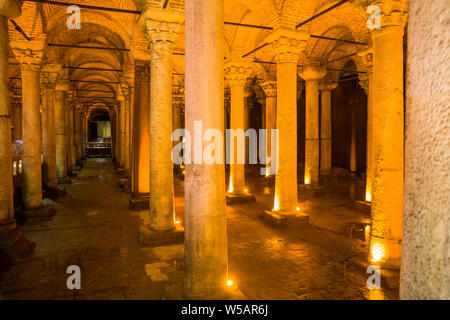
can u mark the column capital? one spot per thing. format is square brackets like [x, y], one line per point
[312, 71]
[49, 75]
[270, 88]
[327, 85]
[287, 44]
[389, 13]
[62, 85]
[367, 59]
[10, 8]
[236, 73]
[161, 28]
[29, 54]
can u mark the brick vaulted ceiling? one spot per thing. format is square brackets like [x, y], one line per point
[120, 30]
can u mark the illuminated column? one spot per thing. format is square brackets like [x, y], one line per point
[84, 133]
[206, 255]
[126, 127]
[325, 126]
[287, 44]
[388, 136]
[117, 132]
[12, 243]
[17, 118]
[68, 133]
[353, 104]
[236, 75]
[312, 74]
[49, 75]
[161, 26]
[141, 144]
[270, 90]
[60, 129]
[79, 134]
[121, 109]
[73, 145]
[177, 101]
[29, 54]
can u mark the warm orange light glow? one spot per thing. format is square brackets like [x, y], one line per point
[377, 252]
[298, 208]
[368, 197]
[245, 190]
[229, 283]
[177, 222]
[276, 204]
[230, 189]
[267, 172]
[184, 172]
[307, 180]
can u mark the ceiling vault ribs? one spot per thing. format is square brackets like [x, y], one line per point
[321, 13]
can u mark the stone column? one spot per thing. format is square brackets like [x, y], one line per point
[161, 26]
[68, 133]
[117, 132]
[325, 126]
[388, 136]
[79, 134]
[29, 55]
[366, 83]
[425, 243]
[17, 118]
[353, 104]
[206, 256]
[287, 44]
[270, 90]
[60, 129]
[49, 75]
[141, 144]
[312, 73]
[121, 119]
[236, 74]
[126, 126]
[12, 243]
[73, 144]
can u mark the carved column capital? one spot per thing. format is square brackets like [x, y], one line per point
[269, 88]
[49, 75]
[236, 73]
[10, 8]
[327, 85]
[386, 13]
[287, 44]
[29, 54]
[313, 71]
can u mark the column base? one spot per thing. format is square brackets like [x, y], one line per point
[363, 206]
[51, 192]
[13, 244]
[233, 198]
[45, 213]
[124, 184]
[269, 180]
[139, 203]
[314, 190]
[388, 251]
[150, 238]
[76, 168]
[120, 170]
[292, 220]
[65, 180]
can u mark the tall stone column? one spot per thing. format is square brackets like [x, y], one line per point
[29, 54]
[79, 134]
[117, 132]
[161, 26]
[12, 243]
[83, 134]
[388, 135]
[122, 120]
[68, 132]
[236, 74]
[270, 90]
[325, 126]
[312, 73]
[287, 44]
[206, 255]
[353, 104]
[60, 129]
[73, 144]
[49, 75]
[126, 124]
[17, 118]
[425, 243]
[366, 83]
[141, 137]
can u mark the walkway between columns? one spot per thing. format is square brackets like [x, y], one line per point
[95, 230]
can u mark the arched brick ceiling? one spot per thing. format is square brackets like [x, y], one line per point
[120, 30]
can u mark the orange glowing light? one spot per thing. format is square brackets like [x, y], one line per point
[298, 208]
[378, 252]
[229, 283]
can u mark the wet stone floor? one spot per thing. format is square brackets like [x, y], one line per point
[95, 230]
